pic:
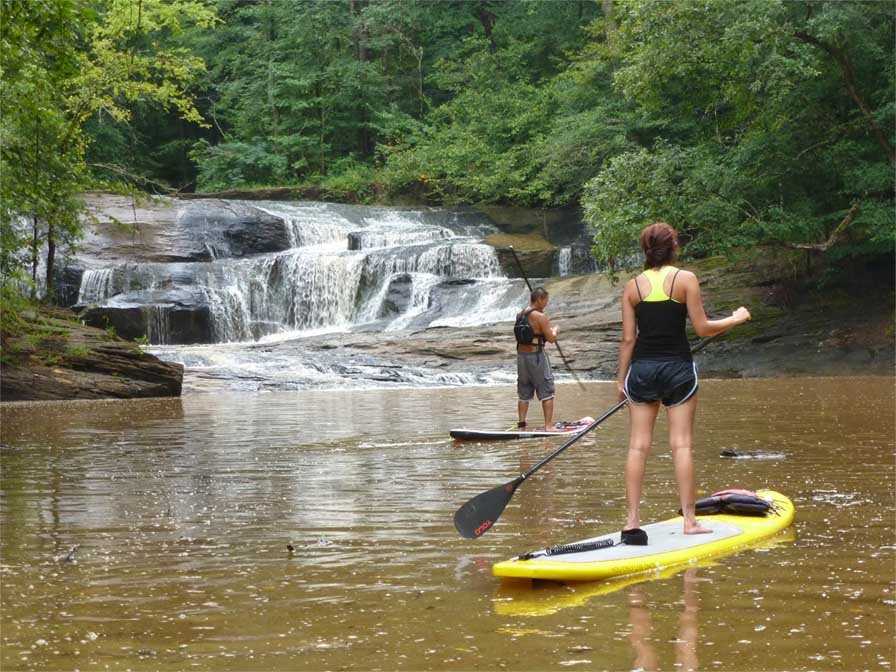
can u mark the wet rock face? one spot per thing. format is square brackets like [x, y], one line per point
[212, 270]
[140, 266]
[166, 231]
[167, 324]
[398, 297]
[228, 229]
[63, 359]
[535, 263]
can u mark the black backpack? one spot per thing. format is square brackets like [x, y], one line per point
[522, 329]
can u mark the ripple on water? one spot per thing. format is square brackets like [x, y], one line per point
[182, 514]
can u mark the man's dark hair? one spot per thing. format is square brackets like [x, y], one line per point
[538, 294]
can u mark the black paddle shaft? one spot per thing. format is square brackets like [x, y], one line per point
[557, 345]
[479, 514]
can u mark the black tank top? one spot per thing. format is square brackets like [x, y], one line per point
[661, 323]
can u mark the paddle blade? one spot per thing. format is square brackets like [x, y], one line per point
[477, 516]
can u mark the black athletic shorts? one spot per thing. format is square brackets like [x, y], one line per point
[648, 381]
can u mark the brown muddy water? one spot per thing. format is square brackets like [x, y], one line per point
[152, 535]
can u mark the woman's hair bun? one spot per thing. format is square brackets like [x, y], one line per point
[658, 242]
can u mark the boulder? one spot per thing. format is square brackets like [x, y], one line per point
[398, 296]
[175, 317]
[560, 226]
[164, 230]
[56, 357]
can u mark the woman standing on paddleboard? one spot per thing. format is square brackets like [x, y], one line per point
[655, 366]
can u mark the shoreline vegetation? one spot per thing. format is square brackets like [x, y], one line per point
[49, 355]
[765, 128]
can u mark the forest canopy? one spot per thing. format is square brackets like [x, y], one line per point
[744, 124]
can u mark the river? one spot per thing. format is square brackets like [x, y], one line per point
[154, 534]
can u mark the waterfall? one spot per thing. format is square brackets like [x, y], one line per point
[157, 328]
[563, 261]
[340, 269]
[334, 268]
[96, 286]
[328, 287]
[297, 290]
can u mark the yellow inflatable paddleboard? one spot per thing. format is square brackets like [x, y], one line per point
[667, 546]
[523, 597]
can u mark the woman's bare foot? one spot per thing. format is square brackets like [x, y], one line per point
[696, 528]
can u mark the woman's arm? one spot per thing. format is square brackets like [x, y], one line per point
[702, 325]
[629, 333]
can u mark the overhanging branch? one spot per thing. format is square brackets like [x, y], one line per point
[836, 234]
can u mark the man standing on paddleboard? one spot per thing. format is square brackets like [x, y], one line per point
[655, 365]
[533, 368]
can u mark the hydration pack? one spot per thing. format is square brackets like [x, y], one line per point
[522, 329]
[735, 502]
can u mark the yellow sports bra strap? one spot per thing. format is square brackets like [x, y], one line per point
[656, 280]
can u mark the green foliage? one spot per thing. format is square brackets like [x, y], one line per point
[67, 66]
[349, 180]
[77, 352]
[231, 165]
[744, 124]
[767, 134]
[13, 304]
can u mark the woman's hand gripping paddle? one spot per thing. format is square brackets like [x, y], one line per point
[478, 515]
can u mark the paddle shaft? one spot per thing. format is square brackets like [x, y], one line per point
[578, 436]
[556, 344]
[697, 348]
[479, 514]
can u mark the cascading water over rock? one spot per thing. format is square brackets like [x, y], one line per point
[333, 267]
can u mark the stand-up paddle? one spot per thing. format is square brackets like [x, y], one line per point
[557, 345]
[479, 514]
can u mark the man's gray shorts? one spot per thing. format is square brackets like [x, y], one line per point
[534, 376]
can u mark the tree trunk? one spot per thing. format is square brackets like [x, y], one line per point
[359, 36]
[272, 103]
[849, 77]
[607, 8]
[51, 259]
[488, 19]
[35, 253]
[836, 234]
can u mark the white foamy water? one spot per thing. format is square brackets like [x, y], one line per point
[96, 285]
[341, 274]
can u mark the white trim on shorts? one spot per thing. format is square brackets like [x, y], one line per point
[628, 397]
[693, 389]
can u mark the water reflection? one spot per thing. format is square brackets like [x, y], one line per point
[181, 513]
[642, 640]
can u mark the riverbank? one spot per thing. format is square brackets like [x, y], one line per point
[53, 356]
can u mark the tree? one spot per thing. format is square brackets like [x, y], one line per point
[770, 121]
[64, 62]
